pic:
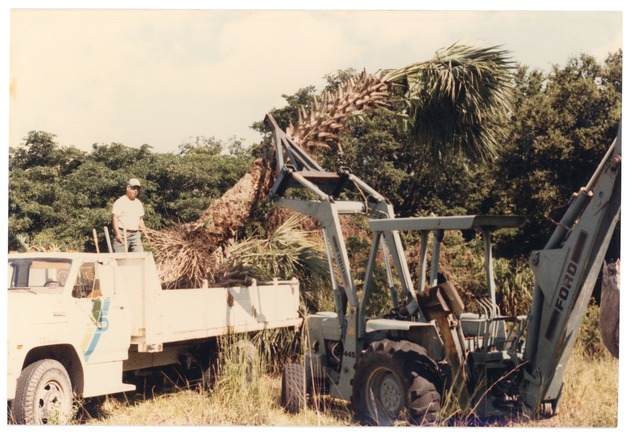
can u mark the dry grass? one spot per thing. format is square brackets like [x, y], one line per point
[590, 396]
[589, 400]
[259, 406]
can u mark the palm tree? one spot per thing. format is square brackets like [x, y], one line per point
[452, 103]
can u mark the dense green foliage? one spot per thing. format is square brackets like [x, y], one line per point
[562, 125]
[57, 194]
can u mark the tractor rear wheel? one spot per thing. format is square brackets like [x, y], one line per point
[388, 385]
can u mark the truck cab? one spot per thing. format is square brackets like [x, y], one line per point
[66, 308]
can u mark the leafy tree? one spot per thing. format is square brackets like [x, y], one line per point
[561, 128]
[186, 185]
[34, 151]
[36, 193]
[118, 156]
[58, 194]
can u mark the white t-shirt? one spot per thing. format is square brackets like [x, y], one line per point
[129, 212]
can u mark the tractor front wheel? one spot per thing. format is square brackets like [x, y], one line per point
[293, 393]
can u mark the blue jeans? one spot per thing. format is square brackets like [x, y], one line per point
[134, 243]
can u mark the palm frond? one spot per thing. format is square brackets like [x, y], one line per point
[285, 253]
[455, 102]
[319, 129]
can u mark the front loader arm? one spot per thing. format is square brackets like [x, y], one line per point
[296, 169]
[565, 273]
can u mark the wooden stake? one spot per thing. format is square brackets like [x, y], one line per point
[95, 240]
[109, 242]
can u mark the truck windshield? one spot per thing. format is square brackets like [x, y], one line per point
[46, 275]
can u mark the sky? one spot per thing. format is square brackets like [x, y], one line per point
[162, 76]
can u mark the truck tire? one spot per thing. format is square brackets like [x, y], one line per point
[293, 393]
[43, 394]
[389, 385]
[248, 355]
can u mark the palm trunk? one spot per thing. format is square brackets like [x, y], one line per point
[188, 254]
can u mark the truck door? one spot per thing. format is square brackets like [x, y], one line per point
[106, 323]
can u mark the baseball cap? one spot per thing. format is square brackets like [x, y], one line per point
[134, 182]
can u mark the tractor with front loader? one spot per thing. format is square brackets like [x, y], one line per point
[426, 345]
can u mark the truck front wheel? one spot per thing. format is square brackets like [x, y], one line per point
[43, 394]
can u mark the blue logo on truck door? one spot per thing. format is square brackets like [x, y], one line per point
[100, 324]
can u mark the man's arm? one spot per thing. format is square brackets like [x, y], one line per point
[143, 228]
[116, 225]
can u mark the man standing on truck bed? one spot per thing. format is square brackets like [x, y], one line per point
[128, 220]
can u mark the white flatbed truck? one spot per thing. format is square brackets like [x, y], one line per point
[78, 321]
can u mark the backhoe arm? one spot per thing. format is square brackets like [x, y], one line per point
[565, 273]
